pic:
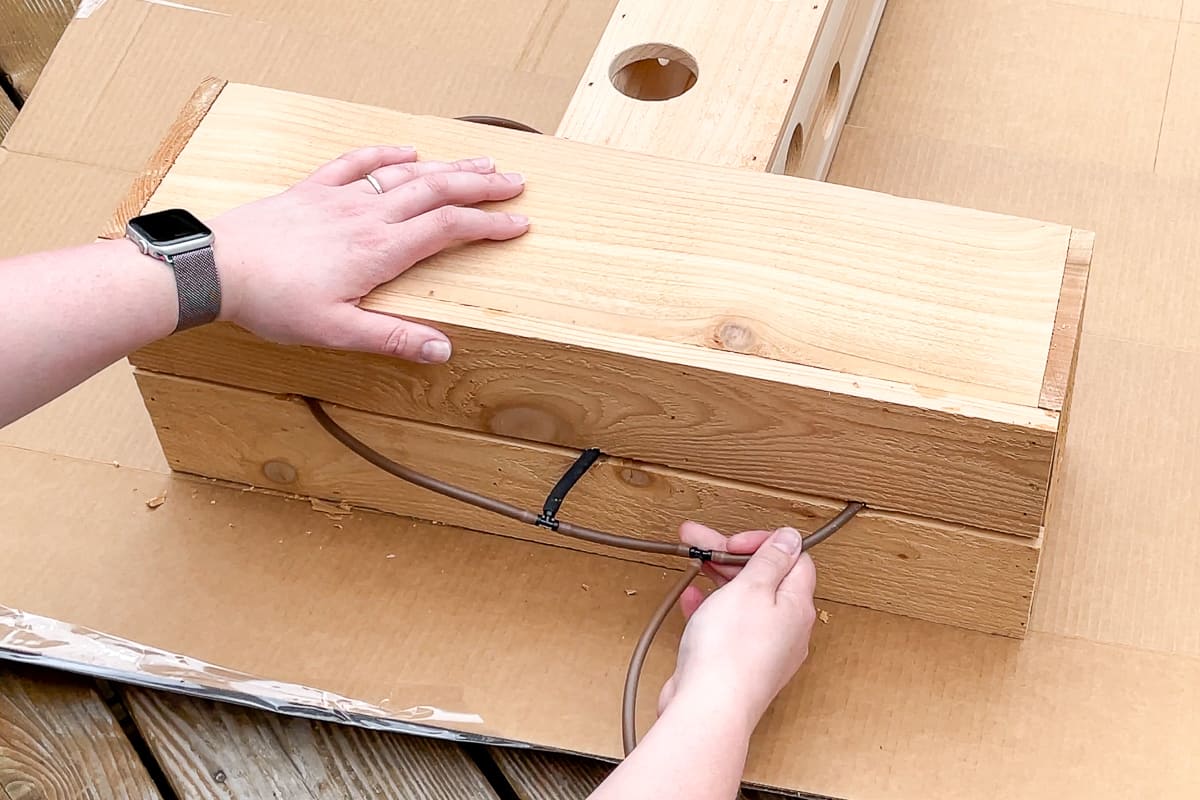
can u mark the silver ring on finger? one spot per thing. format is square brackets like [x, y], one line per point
[371, 179]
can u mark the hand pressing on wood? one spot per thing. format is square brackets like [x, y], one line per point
[741, 646]
[294, 266]
[291, 268]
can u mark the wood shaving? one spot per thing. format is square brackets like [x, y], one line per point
[823, 616]
[630, 592]
[155, 502]
[335, 510]
[391, 555]
[117, 464]
[585, 587]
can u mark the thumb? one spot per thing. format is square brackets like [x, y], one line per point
[368, 332]
[773, 560]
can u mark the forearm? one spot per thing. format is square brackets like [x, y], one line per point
[695, 751]
[72, 312]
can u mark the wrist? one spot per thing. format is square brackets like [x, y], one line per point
[722, 704]
[154, 281]
[230, 270]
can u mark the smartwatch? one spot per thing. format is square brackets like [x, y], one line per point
[185, 243]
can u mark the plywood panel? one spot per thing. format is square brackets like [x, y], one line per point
[896, 563]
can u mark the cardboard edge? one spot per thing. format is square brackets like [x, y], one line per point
[1068, 320]
[178, 135]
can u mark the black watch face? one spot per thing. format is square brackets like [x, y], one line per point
[173, 225]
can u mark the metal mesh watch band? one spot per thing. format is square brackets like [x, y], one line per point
[198, 286]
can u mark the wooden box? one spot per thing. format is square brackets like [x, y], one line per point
[747, 349]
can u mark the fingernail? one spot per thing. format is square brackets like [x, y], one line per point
[435, 351]
[514, 177]
[788, 540]
[519, 219]
[484, 162]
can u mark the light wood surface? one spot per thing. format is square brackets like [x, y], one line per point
[695, 259]
[814, 127]
[906, 565]
[58, 741]
[1068, 323]
[214, 750]
[177, 137]
[724, 81]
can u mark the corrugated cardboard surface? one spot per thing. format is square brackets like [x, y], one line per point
[518, 59]
[1073, 112]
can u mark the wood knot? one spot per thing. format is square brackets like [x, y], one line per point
[279, 472]
[735, 335]
[526, 422]
[635, 477]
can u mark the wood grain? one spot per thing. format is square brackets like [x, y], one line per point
[8, 114]
[213, 750]
[537, 775]
[757, 70]
[1068, 321]
[753, 428]
[58, 741]
[748, 62]
[901, 564]
[178, 135]
[827, 90]
[689, 260]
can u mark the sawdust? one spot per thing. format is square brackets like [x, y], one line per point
[823, 615]
[155, 502]
[334, 510]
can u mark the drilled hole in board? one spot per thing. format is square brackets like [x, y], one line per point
[827, 116]
[653, 72]
[795, 152]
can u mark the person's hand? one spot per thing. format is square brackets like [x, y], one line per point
[293, 267]
[745, 641]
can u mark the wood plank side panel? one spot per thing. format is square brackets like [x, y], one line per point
[942, 466]
[146, 184]
[695, 262]
[214, 750]
[1068, 321]
[890, 562]
[58, 741]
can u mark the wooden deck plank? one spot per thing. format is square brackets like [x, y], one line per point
[215, 750]
[537, 775]
[59, 740]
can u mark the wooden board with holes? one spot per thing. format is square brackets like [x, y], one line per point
[59, 741]
[794, 334]
[906, 565]
[761, 86]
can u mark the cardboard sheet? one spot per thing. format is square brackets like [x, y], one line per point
[1045, 109]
